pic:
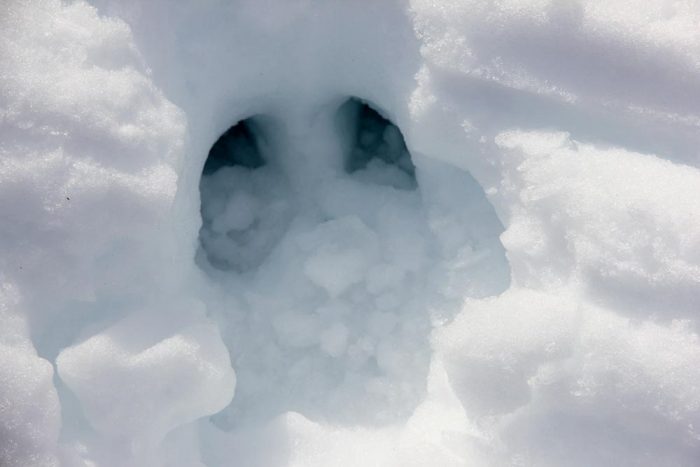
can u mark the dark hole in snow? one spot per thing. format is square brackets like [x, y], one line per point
[245, 206]
[237, 146]
[372, 141]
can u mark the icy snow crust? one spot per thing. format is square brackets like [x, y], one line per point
[524, 292]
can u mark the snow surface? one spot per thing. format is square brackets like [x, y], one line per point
[453, 233]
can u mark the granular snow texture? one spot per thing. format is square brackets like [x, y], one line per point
[344, 233]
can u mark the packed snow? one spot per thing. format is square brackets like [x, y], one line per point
[396, 233]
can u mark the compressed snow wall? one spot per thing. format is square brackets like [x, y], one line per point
[349, 233]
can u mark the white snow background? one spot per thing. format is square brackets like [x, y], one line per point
[508, 276]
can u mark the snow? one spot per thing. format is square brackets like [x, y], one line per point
[293, 233]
